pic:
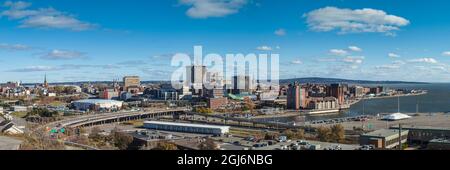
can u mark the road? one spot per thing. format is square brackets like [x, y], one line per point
[8, 143]
[423, 119]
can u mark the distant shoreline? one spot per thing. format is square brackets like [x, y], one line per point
[300, 113]
[317, 80]
[402, 95]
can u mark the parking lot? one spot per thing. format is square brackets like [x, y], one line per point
[238, 143]
[8, 143]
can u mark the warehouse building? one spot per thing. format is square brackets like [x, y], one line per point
[187, 127]
[384, 138]
[423, 134]
[97, 105]
[439, 144]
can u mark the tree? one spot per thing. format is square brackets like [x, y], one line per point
[337, 133]
[249, 104]
[42, 112]
[298, 134]
[204, 110]
[271, 136]
[59, 89]
[95, 134]
[208, 144]
[324, 134]
[165, 146]
[121, 140]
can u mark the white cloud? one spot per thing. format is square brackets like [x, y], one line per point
[388, 67]
[264, 48]
[36, 69]
[354, 59]
[338, 52]
[62, 55]
[393, 55]
[355, 48]
[17, 5]
[14, 47]
[132, 63]
[280, 32]
[47, 18]
[212, 8]
[446, 53]
[424, 60]
[354, 21]
[296, 62]
[398, 62]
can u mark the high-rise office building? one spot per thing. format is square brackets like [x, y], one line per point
[296, 97]
[337, 91]
[194, 77]
[243, 84]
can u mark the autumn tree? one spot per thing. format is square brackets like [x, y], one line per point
[121, 140]
[337, 133]
[324, 134]
[165, 146]
[249, 104]
[208, 144]
[95, 134]
[297, 134]
[271, 136]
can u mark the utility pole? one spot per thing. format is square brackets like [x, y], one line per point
[417, 107]
[400, 147]
[364, 109]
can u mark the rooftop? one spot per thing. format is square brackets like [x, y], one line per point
[185, 124]
[413, 127]
[440, 141]
[383, 133]
[97, 101]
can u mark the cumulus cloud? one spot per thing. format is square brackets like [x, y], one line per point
[46, 18]
[354, 59]
[212, 8]
[280, 32]
[355, 48]
[338, 52]
[393, 55]
[62, 55]
[264, 48]
[424, 60]
[446, 53]
[354, 21]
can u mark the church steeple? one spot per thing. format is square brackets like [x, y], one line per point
[45, 81]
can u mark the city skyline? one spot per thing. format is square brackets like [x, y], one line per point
[72, 41]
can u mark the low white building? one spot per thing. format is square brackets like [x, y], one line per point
[97, 104]
[19, 108]
[187, 127]
[396, 116]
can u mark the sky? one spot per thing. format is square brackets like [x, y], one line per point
[102, 40]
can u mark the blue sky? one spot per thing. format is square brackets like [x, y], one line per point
[88, 40]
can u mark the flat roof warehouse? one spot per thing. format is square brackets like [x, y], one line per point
[187, 127]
